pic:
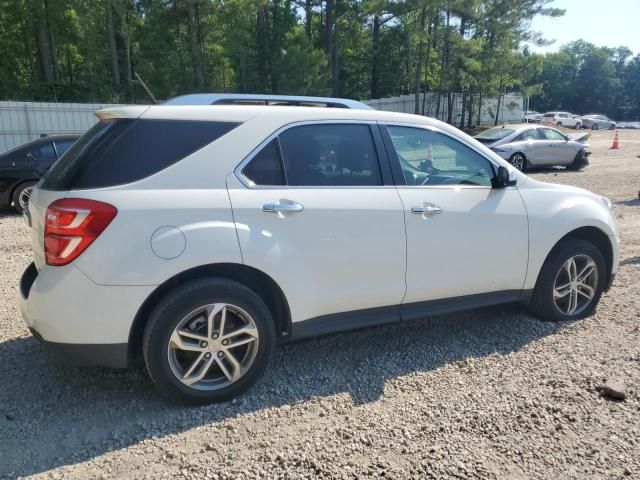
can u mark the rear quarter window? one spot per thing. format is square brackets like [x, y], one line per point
[119, 151]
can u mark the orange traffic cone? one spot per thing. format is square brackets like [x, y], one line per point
[616, 142]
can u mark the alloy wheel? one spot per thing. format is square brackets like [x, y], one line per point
[24, 197]
[575, 285]
[517, 160]
[213, 346]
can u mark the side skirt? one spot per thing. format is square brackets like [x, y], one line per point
[356, 319]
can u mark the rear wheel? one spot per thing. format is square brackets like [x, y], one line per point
[570, 283]
[578, 126]
[595, 127]
[21, 196]
[208, 341]
[612, 127]
[519, 161]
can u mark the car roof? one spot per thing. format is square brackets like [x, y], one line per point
[243, 113]
[248, 99]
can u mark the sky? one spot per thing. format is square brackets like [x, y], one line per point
[612, 23]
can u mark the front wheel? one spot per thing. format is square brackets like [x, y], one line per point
[208, 341]
[570, 283]
[519, 161]
[580, 161]
[578, 126]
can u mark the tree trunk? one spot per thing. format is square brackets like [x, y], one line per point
[194, 37]
[498, 108]
[113, 50]
[450, 100]
[308, 18]
[52, 43]
[445, 59]
[463, 110]
[418, 78]
[44, 49]
[432, 29]
[375, 81]
[479, 109]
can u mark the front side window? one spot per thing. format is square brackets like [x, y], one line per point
[431, 158]
[318, 155]
[552, 134]
[62, 146]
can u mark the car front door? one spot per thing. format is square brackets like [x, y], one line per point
[317, 210]
[464, 238]
[531, 144]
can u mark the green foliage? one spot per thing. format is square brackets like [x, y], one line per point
[583, 78]
[92, 50]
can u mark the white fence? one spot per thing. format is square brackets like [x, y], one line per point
[510, 107]
[24, 121]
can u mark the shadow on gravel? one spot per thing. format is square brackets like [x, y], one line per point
[8, 212]
[51, 415]
[630, 261]
[634, 202]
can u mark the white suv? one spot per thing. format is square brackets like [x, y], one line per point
[198, 237]
[562, 119]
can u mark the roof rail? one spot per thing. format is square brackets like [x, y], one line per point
[259, 99]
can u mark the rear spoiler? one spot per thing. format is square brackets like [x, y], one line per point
[134, 111]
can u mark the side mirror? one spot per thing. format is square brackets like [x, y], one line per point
[504, 178]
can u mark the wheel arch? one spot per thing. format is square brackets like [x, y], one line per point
[597, 237]
[17, 185]
[261, 283]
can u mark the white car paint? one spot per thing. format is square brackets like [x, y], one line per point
[564, 119]
[348, 250]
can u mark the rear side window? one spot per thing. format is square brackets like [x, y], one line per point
[119, 151]
[44, 153]
[318, 155]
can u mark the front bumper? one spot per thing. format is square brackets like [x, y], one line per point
[88, 324]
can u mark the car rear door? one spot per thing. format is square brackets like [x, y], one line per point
[317, 210]
[558, 151]
[464, 238]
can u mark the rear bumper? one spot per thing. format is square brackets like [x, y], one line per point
[88, 324]
[113, 355]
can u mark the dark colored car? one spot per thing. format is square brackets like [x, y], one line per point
[21, 167]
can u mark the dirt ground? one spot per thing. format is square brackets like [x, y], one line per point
[491, 393]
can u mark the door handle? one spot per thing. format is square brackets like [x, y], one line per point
[282, 206]
[426, 209]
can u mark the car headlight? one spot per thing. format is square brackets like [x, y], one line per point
[607, 203]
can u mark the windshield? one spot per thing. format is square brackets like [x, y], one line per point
[496, 133]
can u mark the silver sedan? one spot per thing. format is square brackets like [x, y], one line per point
[527, 146]
[597, 122]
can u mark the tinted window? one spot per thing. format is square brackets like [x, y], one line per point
[331, 155]
[43, 152]
[120, 151]
[533, 134]
[266, 167]
[431, 158]
[552, 134]
[63, 146]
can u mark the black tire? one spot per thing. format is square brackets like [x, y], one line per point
[612, 127]
[18, 192]
[542, 303]
[519, 161]
[578, 126]
[178, 304]
[579, 162]
[595, 126]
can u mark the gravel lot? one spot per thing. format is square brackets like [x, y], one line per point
[492, 393]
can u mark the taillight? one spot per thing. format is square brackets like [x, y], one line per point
[71, 225]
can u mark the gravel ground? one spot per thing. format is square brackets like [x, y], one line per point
[491, 393]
